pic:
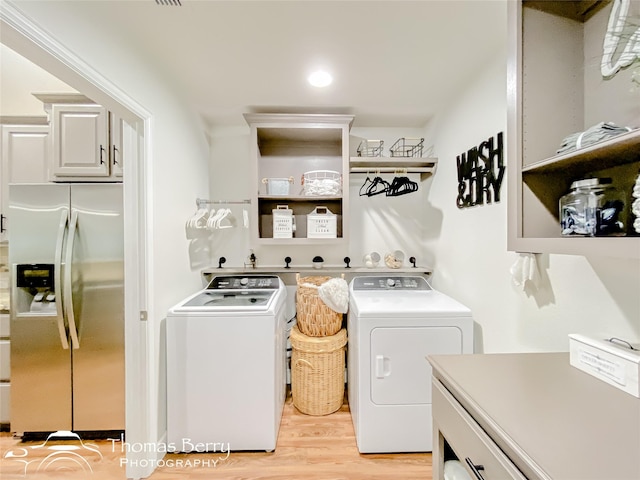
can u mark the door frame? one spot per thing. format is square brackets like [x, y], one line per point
[31, 42]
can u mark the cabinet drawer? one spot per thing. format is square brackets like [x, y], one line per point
[468, 440]
[5, 359]
[5, 402]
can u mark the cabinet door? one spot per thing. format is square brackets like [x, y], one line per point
[25, 159]
[25, 153]
[80, 140]
[115, 153]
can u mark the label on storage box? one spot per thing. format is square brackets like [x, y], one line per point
[610, 369]
[321, 223]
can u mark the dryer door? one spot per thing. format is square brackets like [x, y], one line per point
[400, 373]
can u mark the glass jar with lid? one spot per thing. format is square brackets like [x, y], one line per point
[593, 207]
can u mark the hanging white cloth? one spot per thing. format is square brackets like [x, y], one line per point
[525, 269]
[335, 294]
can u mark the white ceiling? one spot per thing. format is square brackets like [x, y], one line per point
[395, 63]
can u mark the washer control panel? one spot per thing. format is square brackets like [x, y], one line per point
[241, 282]
[390, 283]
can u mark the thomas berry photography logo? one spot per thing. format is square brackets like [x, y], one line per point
[62, 452]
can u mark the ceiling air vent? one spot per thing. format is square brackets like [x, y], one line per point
[172, 3]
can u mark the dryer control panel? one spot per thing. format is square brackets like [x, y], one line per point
[390, 283]
[241, 282]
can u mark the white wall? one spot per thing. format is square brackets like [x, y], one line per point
[385, 224]
[177, 172]
[597, 295]
[19, 78]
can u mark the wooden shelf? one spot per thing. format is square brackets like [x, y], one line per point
[424, 165]
[288, 275]
[300, 198]
[308, 269]
[299, 241]
[616, 247]
[619, 150]
[579, 10]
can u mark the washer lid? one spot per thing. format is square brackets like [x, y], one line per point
[228, 300]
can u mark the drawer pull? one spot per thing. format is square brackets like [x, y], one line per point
[475, 468]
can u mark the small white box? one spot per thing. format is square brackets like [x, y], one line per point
[611, 361]
[283, 223]
[321, 223]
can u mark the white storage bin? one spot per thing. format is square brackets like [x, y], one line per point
[321, 223]
[609, 361]
[283, 222]
[278, 186]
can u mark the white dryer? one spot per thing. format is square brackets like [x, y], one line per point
[393, 323]
[226, 364]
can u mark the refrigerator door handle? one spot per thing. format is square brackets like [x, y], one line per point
[57, 277]
[68, 304]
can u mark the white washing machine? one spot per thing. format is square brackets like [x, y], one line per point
[393, 323]
[226, 364]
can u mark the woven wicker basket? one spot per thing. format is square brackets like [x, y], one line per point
[317, 372]
[313, 317]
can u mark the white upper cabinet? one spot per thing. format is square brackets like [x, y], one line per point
[25, 153]
[86, 140]
[25, 158]
[80, 141]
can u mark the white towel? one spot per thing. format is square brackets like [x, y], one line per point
[525, 269]
[335, 294]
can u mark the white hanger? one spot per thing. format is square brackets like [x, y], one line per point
[228, 216]
[197, 221]
[212, 222]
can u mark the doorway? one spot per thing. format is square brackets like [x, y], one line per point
[27, 40]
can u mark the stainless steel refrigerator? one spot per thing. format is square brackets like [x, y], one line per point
[66, 248]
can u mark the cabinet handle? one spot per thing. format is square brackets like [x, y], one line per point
[101, 152]
[2, 228]
[475, 468]
[115, 150]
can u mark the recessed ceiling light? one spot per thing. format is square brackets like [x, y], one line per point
[320, 78]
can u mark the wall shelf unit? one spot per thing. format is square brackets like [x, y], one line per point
[289, 145]
[555, 88]
[288, 275]
[425, 166]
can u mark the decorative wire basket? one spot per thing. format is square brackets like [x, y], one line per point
[317, 372]
[314, 318]
[370, 148]
[407, 147]
[322, 182]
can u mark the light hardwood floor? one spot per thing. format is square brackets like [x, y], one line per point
[309, 447]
